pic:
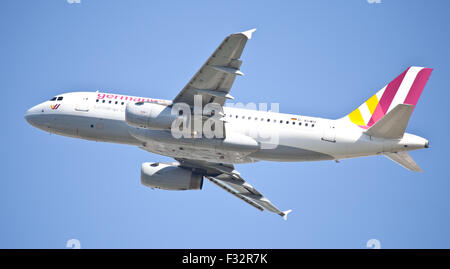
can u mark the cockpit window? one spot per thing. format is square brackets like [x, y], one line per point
[53, 99]
[60, 98]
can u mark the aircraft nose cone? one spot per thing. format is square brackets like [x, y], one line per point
[31, 115]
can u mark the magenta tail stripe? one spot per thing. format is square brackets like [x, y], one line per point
[377, 114]
[386, 98]
[390, 92]
[417, 87]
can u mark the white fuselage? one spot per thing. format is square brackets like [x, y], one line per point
[250, 136]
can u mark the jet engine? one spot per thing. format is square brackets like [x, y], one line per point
[149, 115]
[169, 176]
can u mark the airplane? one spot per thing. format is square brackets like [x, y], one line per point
[376, 127]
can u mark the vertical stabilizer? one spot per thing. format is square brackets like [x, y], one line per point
[404, 89]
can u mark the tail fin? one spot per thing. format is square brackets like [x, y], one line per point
[404, 89]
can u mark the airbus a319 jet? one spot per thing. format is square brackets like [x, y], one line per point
[377, 127]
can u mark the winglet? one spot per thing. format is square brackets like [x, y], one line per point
[285, 214]
[248, 33]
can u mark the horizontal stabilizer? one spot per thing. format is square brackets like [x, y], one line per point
[404, 159]
[393, 124]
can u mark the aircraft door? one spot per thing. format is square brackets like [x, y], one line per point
[82, 104]
[329, 132]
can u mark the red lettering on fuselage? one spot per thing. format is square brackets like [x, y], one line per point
[129, 98]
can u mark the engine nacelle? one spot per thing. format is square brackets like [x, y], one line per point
[149, 115]
[169, 176]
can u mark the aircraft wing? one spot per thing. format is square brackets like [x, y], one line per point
[215, 78]
[226, 177]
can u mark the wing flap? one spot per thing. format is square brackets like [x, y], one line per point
[227, 178]
[247, 193]
[235, 193]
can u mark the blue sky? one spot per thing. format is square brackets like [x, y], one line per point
[317, 58]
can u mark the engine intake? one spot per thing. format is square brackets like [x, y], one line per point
[149, 115]
[169, 176]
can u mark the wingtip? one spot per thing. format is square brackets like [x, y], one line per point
[285, 213]
[417, 169]
[249, 33]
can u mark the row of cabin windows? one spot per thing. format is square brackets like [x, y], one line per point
[269, 120]
[243, 117]
[110, 102]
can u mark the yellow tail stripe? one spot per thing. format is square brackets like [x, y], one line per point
[372, 103]
[356, 117]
